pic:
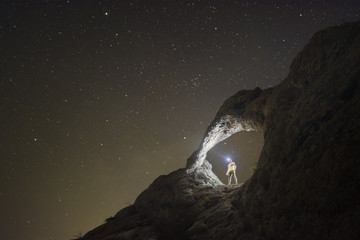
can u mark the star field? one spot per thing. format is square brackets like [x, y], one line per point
[99, 98]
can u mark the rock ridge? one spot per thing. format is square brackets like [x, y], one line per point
[307, 182]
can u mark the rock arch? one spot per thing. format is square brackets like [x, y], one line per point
[245, 111]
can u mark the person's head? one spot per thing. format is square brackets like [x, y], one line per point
[229, 160]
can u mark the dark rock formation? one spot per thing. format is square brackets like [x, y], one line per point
[307, 183]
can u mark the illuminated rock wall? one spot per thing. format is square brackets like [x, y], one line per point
[243, 112]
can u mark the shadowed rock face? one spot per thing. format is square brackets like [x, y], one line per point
[307, 183]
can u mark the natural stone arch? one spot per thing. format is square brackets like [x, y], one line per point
[245, 111]
[244, 148]
[222, 130]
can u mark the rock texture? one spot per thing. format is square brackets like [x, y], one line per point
[307, 183]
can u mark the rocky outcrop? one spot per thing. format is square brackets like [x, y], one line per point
[307, 183]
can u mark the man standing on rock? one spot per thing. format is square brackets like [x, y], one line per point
[231, 171]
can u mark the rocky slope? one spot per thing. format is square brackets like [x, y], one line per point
[307, 183]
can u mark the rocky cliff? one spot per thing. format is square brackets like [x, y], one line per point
[307, 182]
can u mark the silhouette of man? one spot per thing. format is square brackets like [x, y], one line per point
[231, 172]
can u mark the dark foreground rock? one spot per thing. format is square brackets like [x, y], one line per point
[307, 183]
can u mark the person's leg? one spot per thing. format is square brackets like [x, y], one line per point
[231, 174]
[229, 179]
[236, 182]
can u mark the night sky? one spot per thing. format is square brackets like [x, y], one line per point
[99, 98]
